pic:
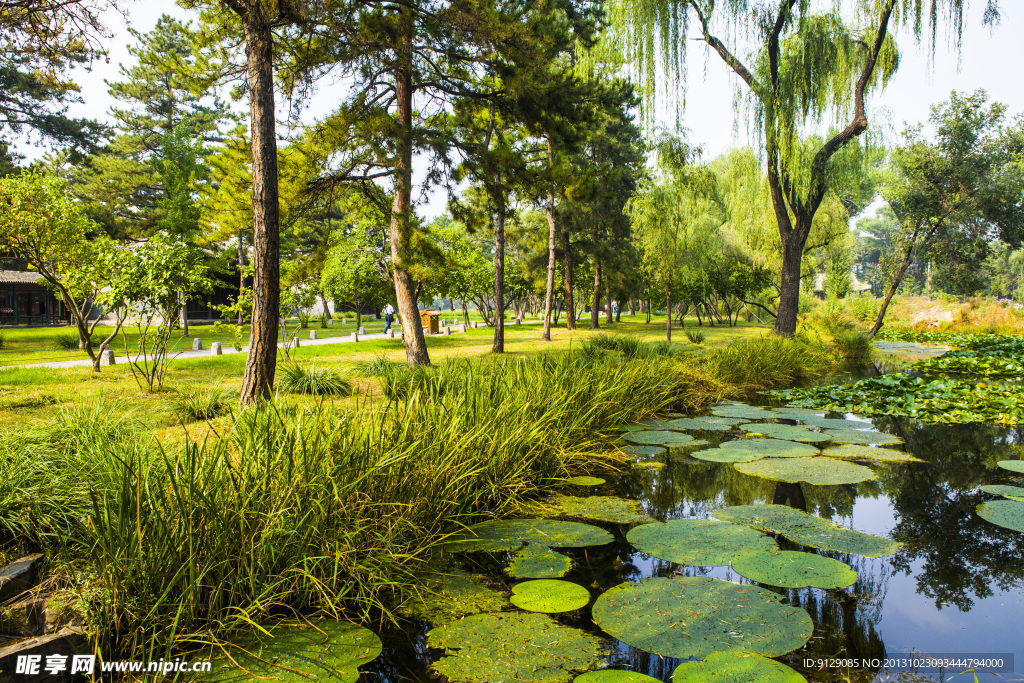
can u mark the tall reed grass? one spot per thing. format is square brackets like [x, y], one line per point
[768, 361]
[322, 509]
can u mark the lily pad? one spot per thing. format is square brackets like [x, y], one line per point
[858, 452]
[539, 562]
[726, 455]
[772, 448]
[333, 650]
[849, 541]
[549, 596]
[720, 420]
[773, 519]
[794, 413]
[863, 437]
[785, 432]
[658, 438]
[512, 534]
[1011, 492]
[643, 450]
[698, 542]
[808, 530]
[1008, 514]
[693, 616]
[615, 676]
[789, 569]
[585, 481]
[1012, 465]
[742, 411]
[513, 646]
[451, 596]
[817, 471]
[837, 423]
[601, 508]
[735, 667]
[687, 423]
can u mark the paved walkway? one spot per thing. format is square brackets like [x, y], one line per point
[229, 350]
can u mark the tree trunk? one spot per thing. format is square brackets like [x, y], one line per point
[793, 240]
[184, 314]
[241, 272]
[401, 209]
[907, 261]
[594, 312]
[499, 276]
[549, 291]
[668, 310]
[608, 305]
[570, 305]
[261, 361]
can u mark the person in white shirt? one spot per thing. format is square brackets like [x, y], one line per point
[389, 316]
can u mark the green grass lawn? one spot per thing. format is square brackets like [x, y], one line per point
[36, 393]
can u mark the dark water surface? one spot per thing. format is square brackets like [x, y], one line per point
[957, 586]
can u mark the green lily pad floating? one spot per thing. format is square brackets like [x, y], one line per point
[615, 676]
[511, 534]
[451, 596]
[686, 423]
[794, 413]
[1008, 514]
[817, 471]
[806, 529]
[785, 432]
[735, 667]
[726, 455]
[858, 452]
[643, 450]
[848, 541]
[698, 542]
[1012, 492]
[773, 519]
[744, 412]
[549, 596]
[658, 438]
[693, 616]
[585, 481]
[789, 569]
[333, 650]
[601, 508]
[772, 448]
[1012, 465]
[720, 420]
[863, 437]
[524, 647]
[539, 562]
[837, 423]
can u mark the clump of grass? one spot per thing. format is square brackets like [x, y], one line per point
[851, 344]
[663, 348]
[768, 361]
[590, 352]
[3, 339]
[298, 379]
[66, 341]
[378, 366]
[631, 347]
[196, 403]
[608, 342]
[695, 336]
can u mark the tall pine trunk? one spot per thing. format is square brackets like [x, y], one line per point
[549, 292]
[401, 208]
[570, 310]
[499, 275]
[261, 361]
[594, 313]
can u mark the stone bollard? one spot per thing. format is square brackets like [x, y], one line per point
[519, 321]
[447, 332]
[362, 330]
[312, 334]
[354, 336]
[106, 357]
[390, 334]
[197, 344]
[215, 349]
[462, 327]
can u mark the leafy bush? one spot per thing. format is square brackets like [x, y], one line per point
[298, 379]
[324, 324]
[201, 403]
[303, 320]
[695, 336]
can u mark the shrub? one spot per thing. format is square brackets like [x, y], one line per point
[303, 320]
[324, 321]
[201, 403]
[604, 341]
[378, 366]
[66, 341]
[297, 379]
[590, 352]
[695, 336]
[768, 361]
[631, 347]
[663, 348]
[3, 339]
[851, 344]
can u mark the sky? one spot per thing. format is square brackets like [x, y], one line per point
[988, 60]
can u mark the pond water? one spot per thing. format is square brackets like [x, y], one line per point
[955, 587]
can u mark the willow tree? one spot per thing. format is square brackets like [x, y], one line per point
[808, 68]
